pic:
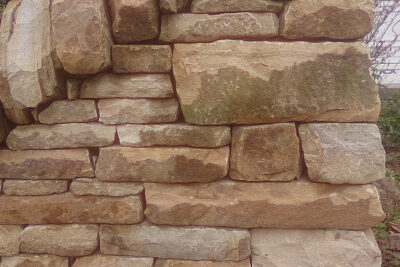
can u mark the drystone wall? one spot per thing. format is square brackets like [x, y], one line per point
[188, 133]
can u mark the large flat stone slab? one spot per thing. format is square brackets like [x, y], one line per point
[96, 187]
[28, 260]
[69, 111]
[225, 6]
[183, 263]
[16, 187]
[99, 260]
[10, 239]
[238, 82]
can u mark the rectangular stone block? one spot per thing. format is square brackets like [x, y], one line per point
[99, 260]
[69, 111]
[95, 187]
[34, 187]
[225, 6]
[10, 239]
[183, 263]
[28, 260]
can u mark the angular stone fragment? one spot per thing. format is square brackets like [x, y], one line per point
[109, 85]
[173, 6]
[173, 135]
[164, 165]
[120, 111]
[69, 135]
[225, 6]
[69, 111]
[99, 260]
[141, 58]
[30, 260]
[63, 240]
[238, 82]
[193, 28]
[34, 187]
[10, 239]
[336, 19]
[188, 243]
[183, 263]
[251, 205]
[73, 88]
[66, 208]
[134, 20]
[343, 153]
[95, 187]
[82, 35]
[265, 152]
[45, 164]
[293, 247]
[4, 129]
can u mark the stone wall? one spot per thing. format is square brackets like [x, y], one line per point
[188, 133]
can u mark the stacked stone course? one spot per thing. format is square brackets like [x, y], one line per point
[188, 133]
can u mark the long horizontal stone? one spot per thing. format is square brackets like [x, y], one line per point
[69, 111]
[174, 135]
[45, 164]
[95, 187]
[191, 243]
[34, 187]
[170, 165]
[218, 6]
[66, 208]
[69, 135]
[208, 28]
[250, 205]
[239, 82]
[99, 260]
[10, 239]
[27, 260]
[183, 263]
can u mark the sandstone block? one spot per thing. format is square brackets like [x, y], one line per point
[238, 82]
[183, 263]
[34, 187]
[191, 243]
[194, 28]
[99, 260]
[343, 153]
[73, 88]
[28, 260]
[10, 239]
[173, 6]
[225, 6]
[69, 111]
[89, 186]
[265, 152]
[164, 165]
[174, 135]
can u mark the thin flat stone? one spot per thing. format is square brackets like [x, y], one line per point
[183, 263]
[95, 187]
[31, 260]
[69, 111]
[99, 260]
[34, 187]
[225, 6]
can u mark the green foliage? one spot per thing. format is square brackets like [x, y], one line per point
[389, 121]
[382, 229]
[2, 4]
[393, 156]
[392, 174]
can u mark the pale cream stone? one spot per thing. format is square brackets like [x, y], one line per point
[31, 260]
[99, 260]
[69, 111]
[95, 187]
[10, 239]
[34, 187]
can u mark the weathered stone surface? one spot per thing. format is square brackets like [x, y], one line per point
[238, 82]
[174, 135]
[67, 208]
[27, 260]
[250, 205]
[34, 187]
[188, 243]
[109, 85]
[69, 111]
[120, 111]
[95, 187]
[183, 263]
[265, 153]
[134, 20]
[10, 239]
[208, 28]
[4, 129]
[171, 165]
[45, 164]
[99, 260]
[82, 35]
[218, 6]
[343, 153]
[173, 6]
[73, 88]
[62, 240]
[336, 19]
[141, 58]
[292, 247]
[69, 135]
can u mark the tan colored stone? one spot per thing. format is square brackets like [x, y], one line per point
[250, 205]
[134, 20]
[73, 88]
[69, 135]
[190, 243]
[34, 187]
[173, 6]
[10, 239]
[99, 260]
[69, 111]
[268, 152]
[95, 187]
[183, 263]
[208, 28]
[28, 260]
[174, 135]
[66, 208]
[224, 6]
[336, 19]
[82, 35]
[314, 248]
[239, 82]
[120, 111]
[343, 153]
[45, 164]
[168, 165]
[141, 58]
[63, 240]
[109, 85]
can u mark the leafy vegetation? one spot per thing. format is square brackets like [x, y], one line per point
[389, 122]
[3, 4]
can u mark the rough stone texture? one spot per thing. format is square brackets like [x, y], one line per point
[69, 135]
[292, 247]
[34, 187]
[10, 239]
[82, 35]
[174, 135]
[208, 28]
[389, 194]
[239, 82]
[120, 111]
[224, 6]
[141, 58]
[73, 88]
[99, 260]
[4, 129]
[183, 263]
[265, 153]
[251, 205]
[69, 111]
[45, 164]
[95, 187]
[27, 260]
[134, 20]
[171, 165]
[173, 6]
[67, 208]
[339, 153]
[62, 240]
[188, 243]
[109, 85]
[336, 19]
